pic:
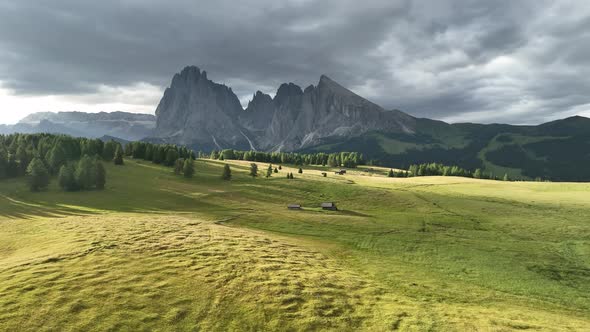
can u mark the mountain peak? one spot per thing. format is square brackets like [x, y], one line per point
[329, 84]
[324, 78]
[190, 71]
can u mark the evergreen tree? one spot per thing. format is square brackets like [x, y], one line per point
[100, 175]
[108, 151]
[3, 163]
[159, 154]
[189, 168]
[12, 167]
[214, 155]
[171, 157]
[477, 174]
[391, 174]
[300, 171]
[118, 160]
[506, 178]
[67, 178]
[280, 168]
[228, 154]
[85, 173]
[149, 152]
[276, 170]
[226, 175]
[269, 171]
[38, 175]
[253, 170]
[57, 158]
[178, 166]
[128, 150]
[23, 157]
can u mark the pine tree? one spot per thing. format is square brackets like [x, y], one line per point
[118, 160]
[57, 158]
[253, 170]
[108, 151]
[171, 157]
[85, 173]
[214, 155]
[280, 167]
[12, 167]
[276, 170]
[391, 174]
[67, 178]
[3, 163]
[226, 175]
[100, 175]
[189, 168]
[300, 171]
[23, 157]
[38, 175]
[269, 171]
[477, 174]
[178, 166]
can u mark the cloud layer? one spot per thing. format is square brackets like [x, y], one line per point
[484, 61]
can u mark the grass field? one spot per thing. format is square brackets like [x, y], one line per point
[159, 252]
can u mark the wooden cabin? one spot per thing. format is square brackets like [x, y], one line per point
[294, 206]
[329, 206]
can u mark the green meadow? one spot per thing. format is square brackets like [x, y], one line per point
[158, 252]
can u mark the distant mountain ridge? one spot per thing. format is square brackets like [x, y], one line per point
[205, 115]
[127, 126]
[199, 112]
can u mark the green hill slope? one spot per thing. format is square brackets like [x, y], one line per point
[558, 150]
[158, 252]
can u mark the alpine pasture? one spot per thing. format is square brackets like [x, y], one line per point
[156, 251]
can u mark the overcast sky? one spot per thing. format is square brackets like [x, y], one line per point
[478, 61]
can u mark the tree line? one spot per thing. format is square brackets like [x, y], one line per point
[76, 161]
[436, 169]
[340, 159]
[165, 154]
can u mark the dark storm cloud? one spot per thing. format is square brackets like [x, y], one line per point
[508, 61]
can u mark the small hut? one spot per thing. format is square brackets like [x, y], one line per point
[294, 206]
[329, 206]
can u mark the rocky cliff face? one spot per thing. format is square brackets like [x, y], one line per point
[198, 112]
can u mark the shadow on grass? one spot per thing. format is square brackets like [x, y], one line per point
[19, 208]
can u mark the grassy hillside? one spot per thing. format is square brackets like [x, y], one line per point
[556, 150]
[159, 252]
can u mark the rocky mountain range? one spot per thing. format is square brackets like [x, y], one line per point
[204, 115]
[127, 126]
[199, 112]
